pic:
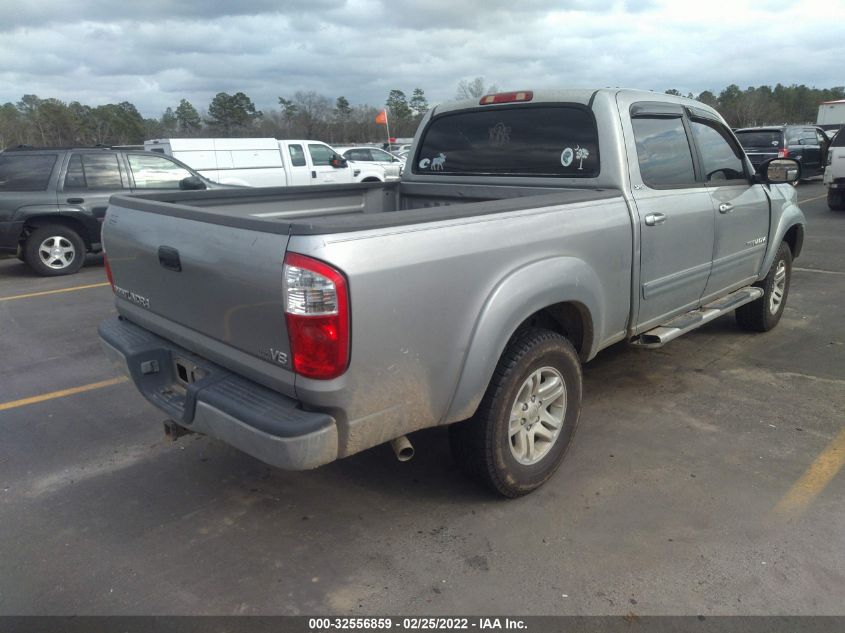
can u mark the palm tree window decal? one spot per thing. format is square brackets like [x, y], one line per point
[580, 154]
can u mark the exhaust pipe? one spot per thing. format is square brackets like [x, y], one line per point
[403, 448]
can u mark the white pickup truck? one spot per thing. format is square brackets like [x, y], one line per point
[266, 162]
[834, 173]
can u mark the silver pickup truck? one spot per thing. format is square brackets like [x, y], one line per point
[529, 231]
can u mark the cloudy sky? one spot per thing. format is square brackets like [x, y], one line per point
[156, 52]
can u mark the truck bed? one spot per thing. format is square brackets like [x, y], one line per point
[344, 208]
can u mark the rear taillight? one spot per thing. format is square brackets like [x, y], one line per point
[108, 270]
[317, 316]
[783, 153]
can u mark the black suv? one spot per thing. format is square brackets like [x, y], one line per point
[53, 200]
[805, 143]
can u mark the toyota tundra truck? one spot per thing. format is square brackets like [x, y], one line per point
[530, 230]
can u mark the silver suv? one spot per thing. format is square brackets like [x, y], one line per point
[393, 166]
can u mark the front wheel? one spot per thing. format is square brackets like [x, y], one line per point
[762, 314]
[835, 200]
[525, 423]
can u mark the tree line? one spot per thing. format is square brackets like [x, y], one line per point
[310, 115]
[767, 105]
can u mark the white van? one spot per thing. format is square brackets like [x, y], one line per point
[265, 162]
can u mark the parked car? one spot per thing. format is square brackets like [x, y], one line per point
[834, 173]
[53, 200]
[805, 143]
[266, 162]
[468, 294]
[393, 165]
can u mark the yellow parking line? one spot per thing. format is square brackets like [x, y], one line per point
[61, 394]
[824, 195]
[52, 292]
[815, 478]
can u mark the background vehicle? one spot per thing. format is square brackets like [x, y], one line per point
[468, 294]
[831, 116]
[392, 165]
[834, 173]
[806, 144]
[53, 200]
[265, 162]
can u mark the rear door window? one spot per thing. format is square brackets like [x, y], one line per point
[93, 172]
[548, 141]
[359, 154]
[760, 139]
[793, 136]
[26, 173]
[663, 152]
[297, 155]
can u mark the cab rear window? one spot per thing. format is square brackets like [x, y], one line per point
[548, 141]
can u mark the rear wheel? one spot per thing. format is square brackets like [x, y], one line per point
[835, 200]
[764, 313]
[526, 420]
[54, 250]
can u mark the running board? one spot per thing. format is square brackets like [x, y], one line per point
[659, 336]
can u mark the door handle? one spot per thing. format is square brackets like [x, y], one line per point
[653, 219]
[75, 200]
[313, 174]
[726, 207]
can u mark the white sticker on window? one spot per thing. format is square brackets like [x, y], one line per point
[437, 162]
[566, 157]
[580, 154]
[424, 163]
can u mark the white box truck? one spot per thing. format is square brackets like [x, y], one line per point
[266, 162]
[831, 116]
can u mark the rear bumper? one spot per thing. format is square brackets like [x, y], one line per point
[227, 406]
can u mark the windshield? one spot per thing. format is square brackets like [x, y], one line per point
[559, 141]
[761, 138]
[839, 139]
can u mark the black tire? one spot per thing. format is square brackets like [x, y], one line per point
[67, 239]
[758, 316]
[835, 200]
[482, 444]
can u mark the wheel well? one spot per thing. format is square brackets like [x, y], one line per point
[371, 179]
[795, 238]
[570, 319]
[33, 223]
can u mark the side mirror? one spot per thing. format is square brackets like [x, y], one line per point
[191, 183]
[338, 162]
[779, 170]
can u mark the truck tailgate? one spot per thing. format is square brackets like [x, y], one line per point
[222, 282]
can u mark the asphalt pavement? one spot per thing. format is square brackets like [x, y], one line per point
[704, 479]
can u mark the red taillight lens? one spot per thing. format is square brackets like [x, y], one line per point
[108, 270]
[783, 153]
[507, 97]
[317, 316]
